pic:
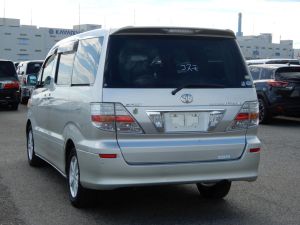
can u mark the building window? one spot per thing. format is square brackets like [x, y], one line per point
[248, 47]
[23, 41]
[23, 50]
[277, 53]
[263, 47]
[255, 53]
[277, 48]
[7, 33]
[22, 54]
[23, 34]
[242, 46]
[7, 49]
[38, 35]
[284, 49]
[271, 48]
[53, 36]
[38, 50]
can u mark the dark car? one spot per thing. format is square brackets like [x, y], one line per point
[278, 90]
[9, 85]
[27, 72]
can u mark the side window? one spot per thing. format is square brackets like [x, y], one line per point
[49, 70]
[266, 74]
[86, 61]
[254, 72]
[65, 68]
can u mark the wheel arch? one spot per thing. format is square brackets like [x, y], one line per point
[68, 148]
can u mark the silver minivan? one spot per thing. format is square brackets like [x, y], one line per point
[145, 106]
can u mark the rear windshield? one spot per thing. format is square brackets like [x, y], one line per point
[33, 67]
[7, 69]
[288, 73]
[172, 61]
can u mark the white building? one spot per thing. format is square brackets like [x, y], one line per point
[261, 47]
[297, 53]
[26, 42]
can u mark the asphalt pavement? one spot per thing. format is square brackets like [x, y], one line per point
[38, 196]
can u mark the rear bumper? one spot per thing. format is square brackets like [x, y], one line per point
[285, 108]
[99, 173]
[9, 97]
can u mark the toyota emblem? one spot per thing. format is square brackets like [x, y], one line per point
[186, 98]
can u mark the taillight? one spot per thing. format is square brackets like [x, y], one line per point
[247, 116]
[113, 117]
[274, 83]
[11, 85]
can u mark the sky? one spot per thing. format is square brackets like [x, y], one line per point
[279, 17]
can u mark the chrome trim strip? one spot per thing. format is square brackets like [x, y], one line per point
[62, 173]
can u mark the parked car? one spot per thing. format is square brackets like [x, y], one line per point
[27, 72]
[145, 106]
[278, 90]
[9, 85]
[273, 61]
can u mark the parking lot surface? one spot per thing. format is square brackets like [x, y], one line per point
[40, 196]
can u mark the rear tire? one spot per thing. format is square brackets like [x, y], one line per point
[264, 115]
[14, 106]
[214, 191]
[79, 196]
[33, 160]
[24, 100]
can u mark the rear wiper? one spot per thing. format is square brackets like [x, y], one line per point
[197, 86]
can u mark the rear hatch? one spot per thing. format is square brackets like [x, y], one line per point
[8, 81]
[184, 91]
[290, 83]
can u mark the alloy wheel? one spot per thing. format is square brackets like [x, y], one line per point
[74, 176]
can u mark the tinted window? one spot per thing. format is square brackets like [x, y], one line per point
[33, 67]
[65, 68]
[86, 61]
[288, 73]
[254, 72]
[170, 62]
[7, 69]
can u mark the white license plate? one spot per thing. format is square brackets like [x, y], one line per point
[186, 121]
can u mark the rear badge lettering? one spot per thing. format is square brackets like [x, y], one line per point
[224, 157]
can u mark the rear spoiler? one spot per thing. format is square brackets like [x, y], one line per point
[174, 31]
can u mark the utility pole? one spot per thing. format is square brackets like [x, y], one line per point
[79, 16]
[133, 16]
[4, 5]
[31, 16]
[3, 8]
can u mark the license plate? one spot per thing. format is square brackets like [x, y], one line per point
[186, 121]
